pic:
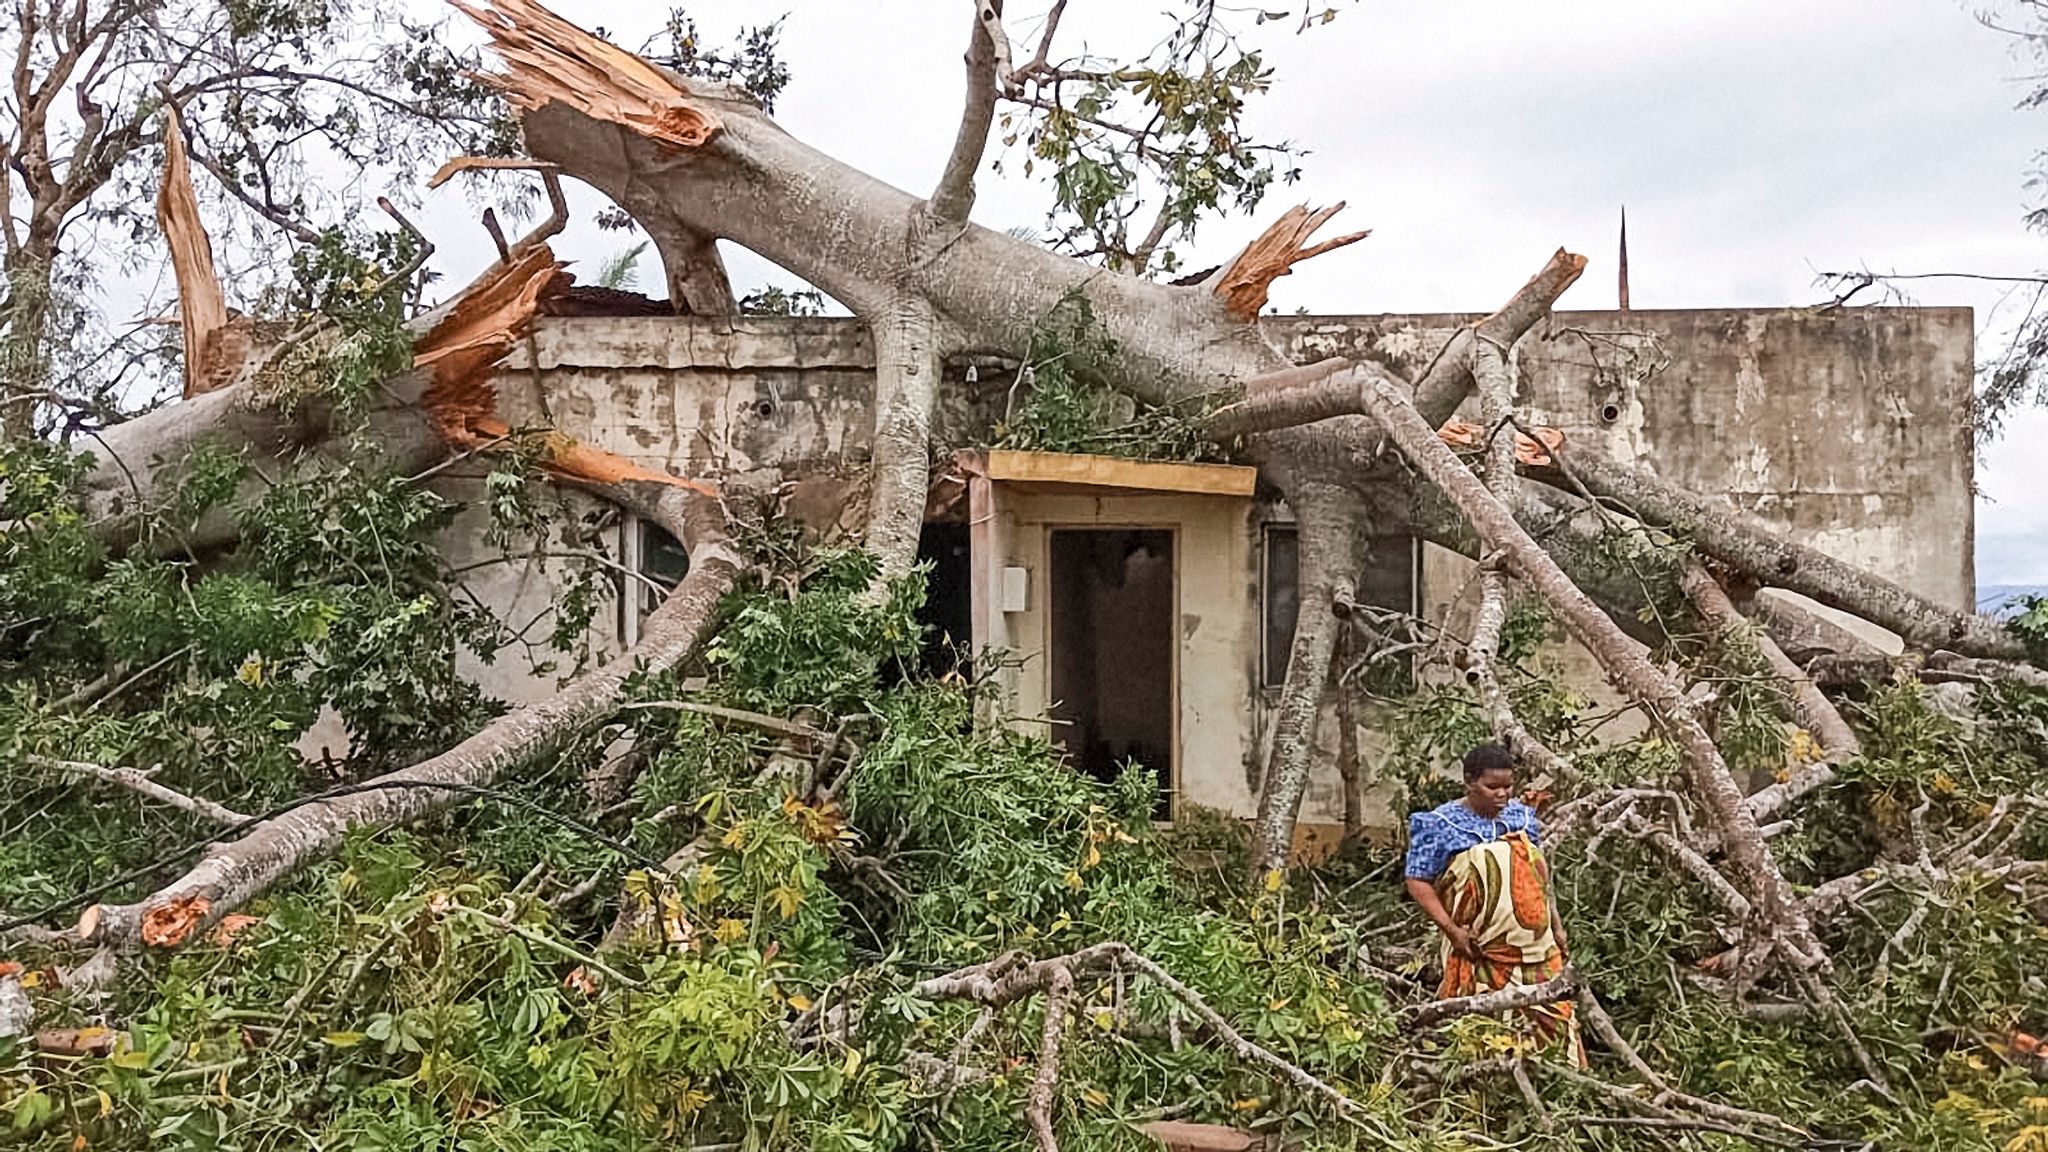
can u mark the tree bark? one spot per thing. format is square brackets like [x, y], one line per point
[906, 391]
[1330, 538]
[1496, 407]
[1803, 698]
[24, 345]
[1722, 531]
[1350, 770]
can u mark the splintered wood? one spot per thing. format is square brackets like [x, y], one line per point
[460, 352]
[547, 58]
[1529, 452]
[447, 172]
[202, 309]
[1244, 285]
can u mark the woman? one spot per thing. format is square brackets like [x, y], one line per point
[1476, 866]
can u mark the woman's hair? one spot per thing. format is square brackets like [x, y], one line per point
[1485, 758]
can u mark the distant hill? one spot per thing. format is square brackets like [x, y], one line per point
[1995, 597]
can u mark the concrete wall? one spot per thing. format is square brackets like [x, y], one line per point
[1845, 429]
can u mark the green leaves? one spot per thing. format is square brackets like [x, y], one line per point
[1067, 406]
[1139, 151]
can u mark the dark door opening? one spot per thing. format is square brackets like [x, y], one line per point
[1112, 600]
[948, 612]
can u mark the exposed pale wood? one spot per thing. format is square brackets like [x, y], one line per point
[458, 164]
[1065, 469]
[549, 60]
[1244, 284]
[202, 307]
[1530, 451]
[460, 352]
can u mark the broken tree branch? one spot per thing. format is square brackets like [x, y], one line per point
[202, 307]
[1496, 410]
[547, 59]
[1444, 385]
[1563, 986]
[1038, 1102]
[243, 868]
[139, 780]
[1595, 1016]
[1012, 977]
[1720, 530]
[1243, 285]
[1630, 670]
[1813, 710]
[953, 198]
[1331, 535]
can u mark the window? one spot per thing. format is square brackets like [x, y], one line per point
[1389, 580]
[1282, 582]
[653, 563]
[662, 559]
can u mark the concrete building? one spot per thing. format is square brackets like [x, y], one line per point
[1146, 608]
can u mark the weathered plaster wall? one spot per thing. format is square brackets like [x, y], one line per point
[1843, 428]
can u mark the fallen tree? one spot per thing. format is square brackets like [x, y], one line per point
[764, 860]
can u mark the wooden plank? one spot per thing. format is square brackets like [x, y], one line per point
[1065, 470]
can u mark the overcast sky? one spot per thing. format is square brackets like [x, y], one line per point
[1753, 143]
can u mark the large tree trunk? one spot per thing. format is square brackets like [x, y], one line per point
[1330, 534]
[24, 336]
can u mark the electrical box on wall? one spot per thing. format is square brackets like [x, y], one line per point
[1016, 589]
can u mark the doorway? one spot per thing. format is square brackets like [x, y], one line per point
[948, 611]
[1112, 648]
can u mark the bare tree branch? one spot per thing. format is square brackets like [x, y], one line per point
[987, 62]
[139, 780]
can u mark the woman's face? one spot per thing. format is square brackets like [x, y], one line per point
[1490, 792]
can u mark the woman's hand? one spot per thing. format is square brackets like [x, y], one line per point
[1424, 894]
[1461, 941]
